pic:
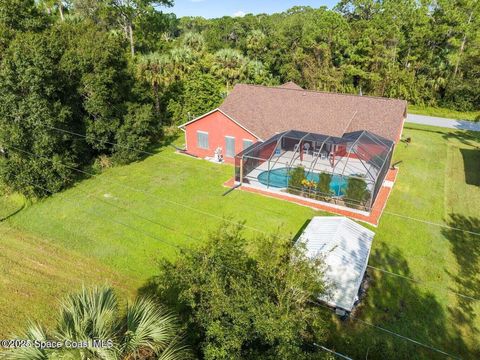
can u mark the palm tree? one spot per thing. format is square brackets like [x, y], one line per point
[256, 41]
[145, 331]
[230, 64]
[181, 61]
[152, 69]
[194, 41]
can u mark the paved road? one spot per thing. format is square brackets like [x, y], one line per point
[442, 122]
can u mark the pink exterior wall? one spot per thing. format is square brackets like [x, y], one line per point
[218, 126]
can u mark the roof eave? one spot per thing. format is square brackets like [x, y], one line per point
[227, 115]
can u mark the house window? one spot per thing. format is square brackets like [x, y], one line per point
[247, 143]
[202, 140]
[229, 146]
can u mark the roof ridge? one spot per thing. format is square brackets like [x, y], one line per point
[321, 92]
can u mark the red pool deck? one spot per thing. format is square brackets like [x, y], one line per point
[373, 218]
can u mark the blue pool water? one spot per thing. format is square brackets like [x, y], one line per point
[279, 179]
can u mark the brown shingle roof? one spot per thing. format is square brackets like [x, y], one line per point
[269, 110]
[290, 85]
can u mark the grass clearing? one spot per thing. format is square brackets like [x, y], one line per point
[10, 204]
[443, 112]
[437, 179]
[90, 219]
[36, 273]
[430, 178]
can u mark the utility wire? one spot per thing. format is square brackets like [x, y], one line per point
[240, 272]
[223, 219]
[333, 352]
[176, 247]
[98, 215]
[385, 212]
[406, 338]
[144, 152]
[423, 282]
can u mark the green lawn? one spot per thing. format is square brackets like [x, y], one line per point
[438, 182]
[443, 112]
[35, 274]
[10, 204]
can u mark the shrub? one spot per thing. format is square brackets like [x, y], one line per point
[101, 163]
[244, 299]
[296, 178]
[356, 193]
[323, 187]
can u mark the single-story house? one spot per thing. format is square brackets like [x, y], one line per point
[268, 131]
[252, 113]
[345, 247]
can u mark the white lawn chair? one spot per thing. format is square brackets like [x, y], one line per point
[306, 147]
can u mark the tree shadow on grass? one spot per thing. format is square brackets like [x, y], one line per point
[471, 164]
[401, 306]
[467, 137]
[466, 249]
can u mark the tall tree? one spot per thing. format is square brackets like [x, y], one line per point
[256, 42]
[230, 65]
[21, 15]
[200, 94]
[33, 99]
[194, 41]
[152, 69]
[128, 13]
[247, 301]
[54, 6]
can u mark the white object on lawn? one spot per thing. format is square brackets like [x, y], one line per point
[345, 247]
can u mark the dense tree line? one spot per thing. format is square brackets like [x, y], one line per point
[59, 78]
[119, 71]
[426, 52]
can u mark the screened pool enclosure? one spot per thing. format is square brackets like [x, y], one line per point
[346, 170]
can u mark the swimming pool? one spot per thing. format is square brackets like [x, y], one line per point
[279, 179]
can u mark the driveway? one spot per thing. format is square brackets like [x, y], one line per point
[443, 122]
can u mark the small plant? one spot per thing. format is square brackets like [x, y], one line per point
[309, 186]
[356, 193]
[324, 192]
[477, 118]
[295, 181]
[101, 163]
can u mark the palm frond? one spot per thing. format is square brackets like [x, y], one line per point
[34, 332]
[149, 326]
[90, 314]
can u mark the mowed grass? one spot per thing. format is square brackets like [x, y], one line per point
[432, 186]
[129, 217]
[10, 204]
[35, 274]
[443, 112]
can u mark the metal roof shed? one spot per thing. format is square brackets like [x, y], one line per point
[345, 247]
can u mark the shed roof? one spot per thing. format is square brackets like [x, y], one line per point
[345, 247]
[269, 110]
